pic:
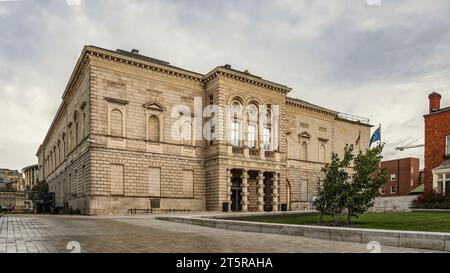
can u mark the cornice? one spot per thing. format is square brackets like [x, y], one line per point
[247, 78]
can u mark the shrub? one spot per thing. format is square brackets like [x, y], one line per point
[432, 200]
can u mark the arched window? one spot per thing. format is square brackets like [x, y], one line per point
[59, 152]
[267, 131]
[55, 154]
[116, 123]
[252, 130]
[186, 132]
[304, 151]
[77, 139]
[51, 161]
[154, 129]
[64, 145]
[236, 123]
[322, 152]
[84, 125]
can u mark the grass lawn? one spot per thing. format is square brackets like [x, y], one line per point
[414, 221]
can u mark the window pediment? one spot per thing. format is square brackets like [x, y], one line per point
[117, 101]
[154, 106]
[305, 134]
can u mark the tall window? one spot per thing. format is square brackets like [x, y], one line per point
[235, 124]
[267, 131]
[322, 154]
[186, 132]
[77, 139]
[252, 113]
[448, 145]
[234, 132]
[64, 145]
[116, 123]
[304, 151]
[267, 138]
[252, 136]
[153, 129]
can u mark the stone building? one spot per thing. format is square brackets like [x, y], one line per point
[30, 175]
[131, 129]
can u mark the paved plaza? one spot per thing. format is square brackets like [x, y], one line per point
[137, 234]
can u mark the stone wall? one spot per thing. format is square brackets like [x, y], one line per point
[397, 203]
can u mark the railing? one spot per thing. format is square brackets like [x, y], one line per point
[253, 152]
[237, 150]
[149, 211]
[269, 154]
[353, 118]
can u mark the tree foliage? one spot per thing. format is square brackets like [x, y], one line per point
[353, 194]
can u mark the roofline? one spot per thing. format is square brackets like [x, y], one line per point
[247, 77]
[355, 122]
[312, 106]
[30, 167]
[403, 158]
[440, 111]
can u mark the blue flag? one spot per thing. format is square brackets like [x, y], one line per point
[376, 136]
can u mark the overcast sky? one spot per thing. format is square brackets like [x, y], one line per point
[380, 62]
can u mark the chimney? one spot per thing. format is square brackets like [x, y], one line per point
[435, 102]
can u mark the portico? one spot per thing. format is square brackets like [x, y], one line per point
[253, 190]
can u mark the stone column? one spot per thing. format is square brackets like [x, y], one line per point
[244, 186]
[261, 191]
[229, 176]
[276, 191]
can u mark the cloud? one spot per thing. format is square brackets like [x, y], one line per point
[375, 61]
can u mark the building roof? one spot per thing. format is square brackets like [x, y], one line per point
[420, 189]
[440, 111]
[443, 166]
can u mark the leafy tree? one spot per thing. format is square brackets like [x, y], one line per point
[353, 194]
[331, 199]
[368, 177]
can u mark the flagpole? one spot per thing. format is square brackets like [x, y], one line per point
[380, 135]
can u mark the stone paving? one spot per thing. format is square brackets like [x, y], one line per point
[137, 234]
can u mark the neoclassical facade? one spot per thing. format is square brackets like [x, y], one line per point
[131, 129]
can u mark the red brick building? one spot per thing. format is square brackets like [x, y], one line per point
[437, 145]
[403, 176]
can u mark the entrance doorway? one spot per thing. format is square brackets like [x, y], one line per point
[236, 195]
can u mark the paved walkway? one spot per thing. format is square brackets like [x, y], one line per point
[36, 233]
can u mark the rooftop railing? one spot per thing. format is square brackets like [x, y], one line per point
[354, 118]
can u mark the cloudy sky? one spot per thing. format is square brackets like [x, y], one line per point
[376, 61]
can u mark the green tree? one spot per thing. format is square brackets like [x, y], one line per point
[41, 196]
[366, 180]
[331, 198]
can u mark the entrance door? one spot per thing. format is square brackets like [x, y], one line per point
[236, 204]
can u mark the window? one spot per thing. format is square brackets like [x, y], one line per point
[116, 128]
[187, 133]
[322, 153]
[267, 139]
[154, 129]
[382, 190]
[448, 145]
[393, 189]
[234, 133]
[188, 183]
[116, 179]
[154, 181]
[393, 177]
[304, 151]
[252, 136]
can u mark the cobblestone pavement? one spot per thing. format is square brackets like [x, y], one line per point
[36, 234]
